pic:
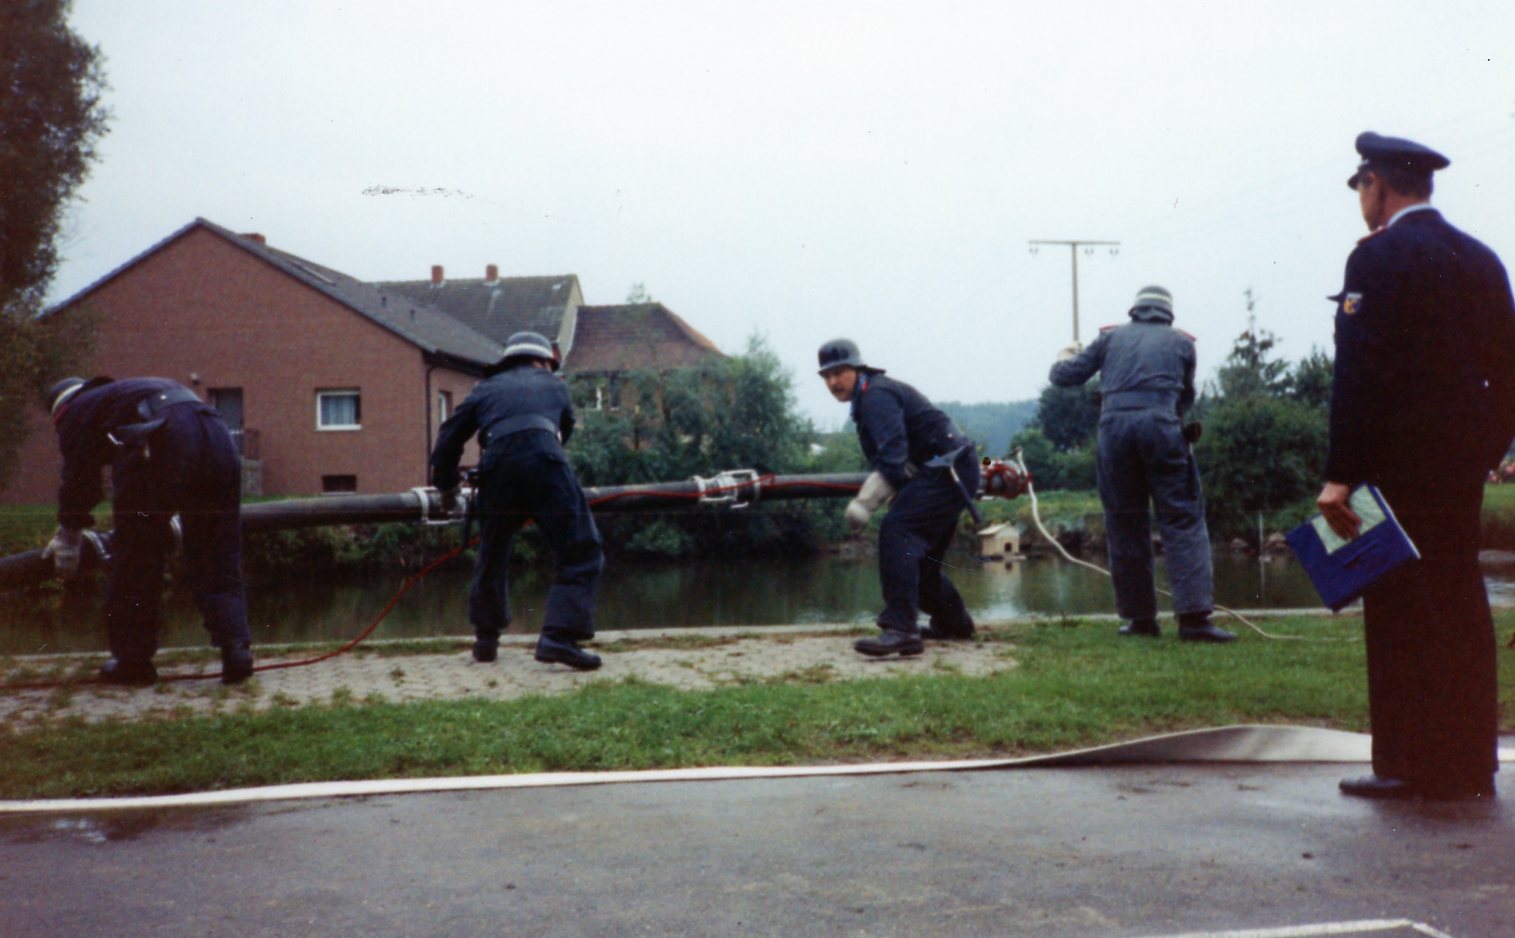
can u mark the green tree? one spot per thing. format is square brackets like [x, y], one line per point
[1249, 369]
[1310, 382]
[1068, 417]
[50, 119]
[1261, 454]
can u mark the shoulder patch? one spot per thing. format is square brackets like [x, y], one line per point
[1351, 303]
[1113, 325]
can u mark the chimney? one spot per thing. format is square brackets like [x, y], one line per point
[255, 238]
[436, 275]
[492, 273]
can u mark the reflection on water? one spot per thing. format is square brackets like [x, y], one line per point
[759, 592]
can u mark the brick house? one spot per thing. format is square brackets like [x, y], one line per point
[332, 384]
[614, 340]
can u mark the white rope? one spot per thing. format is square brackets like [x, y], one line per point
[1036, 516]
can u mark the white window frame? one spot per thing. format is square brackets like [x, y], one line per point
[444, 406]
[321, 396]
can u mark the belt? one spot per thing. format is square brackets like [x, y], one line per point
[136, 434]
[519, 424]
[1137, 400]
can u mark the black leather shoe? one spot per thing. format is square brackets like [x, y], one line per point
[1206, 631]
[552, 651]
[129, 674]
[934, 634]
[890, 642]
[236, 665]
[1143, 628]
[485, 650]
[1377, 786]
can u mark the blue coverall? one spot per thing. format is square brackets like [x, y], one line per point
[1146, 370]
[519, 415]
[169, 453]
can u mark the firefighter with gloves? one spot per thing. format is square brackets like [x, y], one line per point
[1422, 406]
[169, 453]
[523, 416]
[1146, 370]
[933, 471]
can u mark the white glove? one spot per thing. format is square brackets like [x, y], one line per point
[875, 491]
[64, 549]
[1071, 351]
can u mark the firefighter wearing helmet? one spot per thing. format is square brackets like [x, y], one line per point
[522, 415]
[170, 454]
[929, 466]
[1146, 370]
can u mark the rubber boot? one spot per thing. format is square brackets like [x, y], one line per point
[486, 646]
[1143, 628]
[890, 642]
[1197, 627]
[236, 664]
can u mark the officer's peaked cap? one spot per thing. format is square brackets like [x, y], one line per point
[1377, 150]
[1154, 297]
[529, 345]
[839, 353]
[59, 393]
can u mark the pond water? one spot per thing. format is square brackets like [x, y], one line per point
[632, 596]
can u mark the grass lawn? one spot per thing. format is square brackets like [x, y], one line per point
[1076, 686]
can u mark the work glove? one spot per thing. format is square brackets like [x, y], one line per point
[1070, 352]
[64, 550]
[1193, 431]
[875, 491]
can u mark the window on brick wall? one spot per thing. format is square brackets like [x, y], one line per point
[339, 409]
[444, 406]
[339, 483]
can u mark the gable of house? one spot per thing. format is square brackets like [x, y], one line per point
[645, 336]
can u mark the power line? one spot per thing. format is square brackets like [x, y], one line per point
[1073, 247]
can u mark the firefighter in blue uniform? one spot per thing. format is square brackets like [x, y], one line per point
[523, 416]
[1146, 370]
[169, 453]
[1422, 406]
[933, 470]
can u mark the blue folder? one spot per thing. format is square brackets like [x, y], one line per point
[1343, 570]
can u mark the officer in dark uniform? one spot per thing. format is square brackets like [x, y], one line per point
[1146, 370]
[932, 469]
[1422, 406]
[169, 452]
[523, 416]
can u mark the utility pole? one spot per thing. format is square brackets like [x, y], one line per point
[1073, 247]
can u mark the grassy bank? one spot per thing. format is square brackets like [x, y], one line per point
[1076, 685]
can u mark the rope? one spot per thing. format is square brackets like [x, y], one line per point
[1037, 518]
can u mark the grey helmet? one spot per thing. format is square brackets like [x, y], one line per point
[530, 345]
[839, 353]
[59, 393]
[1154, 298]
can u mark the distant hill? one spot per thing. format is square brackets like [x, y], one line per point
[991, 425]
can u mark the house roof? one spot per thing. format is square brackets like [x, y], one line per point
[627, 338]
[423, 326]
[499, 307]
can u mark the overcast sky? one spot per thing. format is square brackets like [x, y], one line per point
[807, 170]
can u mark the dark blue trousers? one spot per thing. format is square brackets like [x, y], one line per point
[1433, 697]
[190, 467]
[1145, 465]
[535, 485]
[912, 547]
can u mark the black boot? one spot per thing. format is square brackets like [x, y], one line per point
[1145, 628]
[486, 648]
[236, 664]
[129, 673]
[1197, 627]
[556, 651]
[890, 642]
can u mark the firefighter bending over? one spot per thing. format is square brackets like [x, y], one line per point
[169, 452]
[523, 416]
[1145, 456]
[932, 468]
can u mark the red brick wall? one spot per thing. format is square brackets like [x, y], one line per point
[209, 314]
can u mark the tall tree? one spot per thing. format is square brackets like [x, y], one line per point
[51, 117]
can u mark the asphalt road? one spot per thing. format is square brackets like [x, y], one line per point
[1166, 850]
